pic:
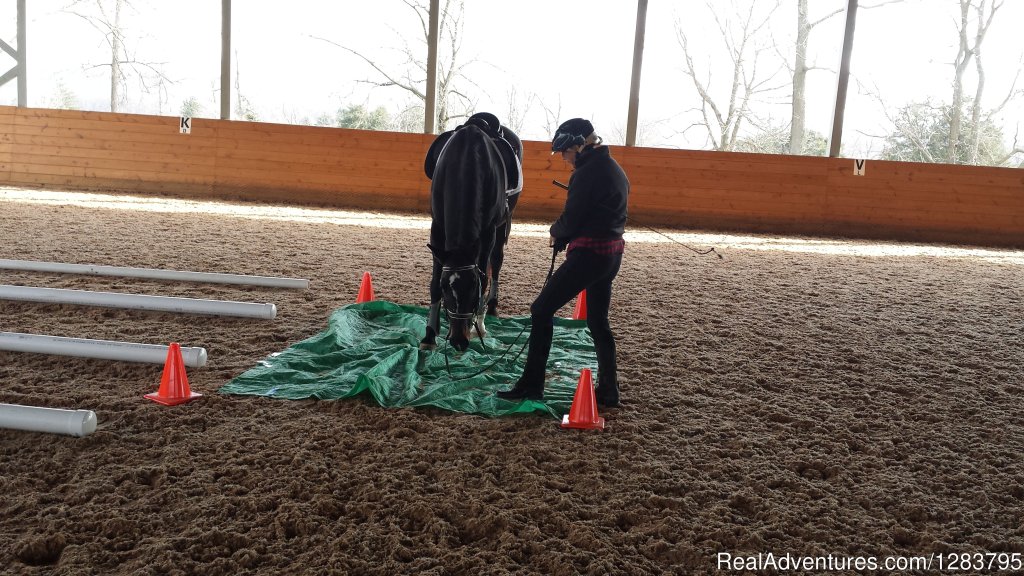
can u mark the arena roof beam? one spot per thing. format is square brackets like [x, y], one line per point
[634, 83]
[225, 60]
[18, 71]
[843, 82]
[431, 99]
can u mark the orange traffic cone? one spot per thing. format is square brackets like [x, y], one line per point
[580, 311]
[583, 413]
[174, 387]
[365, 289]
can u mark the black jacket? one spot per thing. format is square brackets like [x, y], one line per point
[596, 202]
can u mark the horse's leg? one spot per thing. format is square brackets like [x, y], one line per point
[498, 257]
[489, 241]
[429, 341]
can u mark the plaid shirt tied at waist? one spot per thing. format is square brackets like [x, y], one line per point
[603, 246]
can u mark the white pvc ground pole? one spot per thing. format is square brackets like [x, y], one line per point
[102, 349]
[154, 273]
[139, 302]
[53, 420]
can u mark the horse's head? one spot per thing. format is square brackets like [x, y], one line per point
[462, 288]
[462, 295]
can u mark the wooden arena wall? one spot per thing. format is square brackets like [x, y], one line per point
[384, 171]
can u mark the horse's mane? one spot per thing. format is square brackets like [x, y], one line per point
[467, 195]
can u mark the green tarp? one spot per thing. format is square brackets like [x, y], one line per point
[374, 348]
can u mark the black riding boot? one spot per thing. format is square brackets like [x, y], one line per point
[606, 394]
[531, 383]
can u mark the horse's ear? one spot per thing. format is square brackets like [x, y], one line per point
[437, 252]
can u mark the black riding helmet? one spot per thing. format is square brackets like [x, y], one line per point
[571, 133]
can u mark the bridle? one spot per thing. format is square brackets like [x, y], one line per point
[455, 314]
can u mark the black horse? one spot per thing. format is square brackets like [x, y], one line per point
[471, 209]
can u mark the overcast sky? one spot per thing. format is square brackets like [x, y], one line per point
[565, 59]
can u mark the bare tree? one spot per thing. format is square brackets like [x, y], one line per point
[804, 27]
[984, 15]
[107, 20]
[243, 107]
[922, 132]
[552, 115]
[518, 107]
[965, 53]
[745, 36]
[969, 49]
[64, 99]
[964, 126]
[409, 119]
[1016, 150]
[644, 131]
[452, 102]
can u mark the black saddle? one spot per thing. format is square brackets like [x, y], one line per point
[511, 155]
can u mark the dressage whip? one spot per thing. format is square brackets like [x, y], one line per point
[667, 237]
[671, 239]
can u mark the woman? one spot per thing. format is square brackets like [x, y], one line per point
[590, 230]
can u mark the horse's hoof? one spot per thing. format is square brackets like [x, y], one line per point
[427, 346]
